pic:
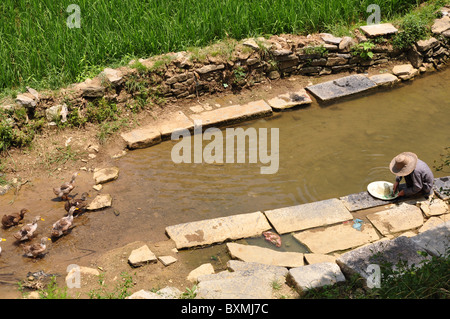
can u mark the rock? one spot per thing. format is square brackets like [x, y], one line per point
[169, 293]
[142, 137]
[434, 208]
[251, 43]
[143, 294]
[289, 100]
[26, 101]
[315, 275]
[141, 256]
[386, 79]
[397, 219]
[217, 230]
[330, 39]
[346, 44]
[210, 68]
[233, 114]
[441, 25]
[390, 251]
[97, 187]
[167, 260]
[267, 256]
[100, 201]
[441, 187]
[414, 57]
[273, 75]
[205, 269]
[92, 91]
[342, 87]
[34, 93]
[309, 215]
[405, 71]
[374, 30]
[435, 240]
[105, 175]
[337, 237]
[82, 271]
[54, 113]
[332, 61]
[431, 223]
[281, 53]
[425, 45]
[113, 76]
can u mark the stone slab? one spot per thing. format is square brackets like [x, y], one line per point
[236, 285]
[385, 79]
[174, 123]
[278, 272]
[250, 253]
[205, 269]
[233, 114]
[362, 200]
[218, 230]
[300, 217]
[397, 219]
[441, 25]
[336, 238]
[330, 39]
[342, 87]
[442, 187]
[142, 137]
[315, 275]
[435, 241]
[319, 258]
[390, 251]
[290, 100]
[374, 30]
[141, 256]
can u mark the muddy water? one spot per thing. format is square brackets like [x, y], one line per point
[324, 152]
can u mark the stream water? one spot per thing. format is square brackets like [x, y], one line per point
[324, 152]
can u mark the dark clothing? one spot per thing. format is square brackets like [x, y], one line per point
[420, 180]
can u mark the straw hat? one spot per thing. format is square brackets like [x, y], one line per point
[403, 164]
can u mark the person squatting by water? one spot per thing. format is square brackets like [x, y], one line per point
[418, 176]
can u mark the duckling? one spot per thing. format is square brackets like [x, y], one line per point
[35, 250]
[63, 225]
[1, 239]
[14, 218]
[79, 203]
[28, 230]
[64, 190]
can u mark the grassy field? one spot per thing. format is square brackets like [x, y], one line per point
[37, 48]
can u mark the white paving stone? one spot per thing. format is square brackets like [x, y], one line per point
[315, 275]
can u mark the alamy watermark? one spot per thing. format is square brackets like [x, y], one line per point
[235, 149]
[375, 17]
[73, 20]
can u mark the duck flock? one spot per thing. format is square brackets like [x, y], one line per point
[59, 228]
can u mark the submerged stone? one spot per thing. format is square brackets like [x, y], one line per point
[289, 100]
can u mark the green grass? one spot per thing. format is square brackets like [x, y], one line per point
[38, 49]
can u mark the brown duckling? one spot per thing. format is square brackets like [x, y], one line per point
[79, 203]
[64, 190]
[27, 231]
[63, 225]
[35, 250]
[14, 218]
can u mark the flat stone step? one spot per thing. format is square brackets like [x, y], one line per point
[236, 285]
[338, 237]
[210, 231]
[142, 137]
[397, 219]
[374, 30]
[300, 217]
[385, 79]
[315, 275]
[391, 251]
[174, 123]
[290, 100]
[362, 200]
[435, 241]
[342, 87]
[250, 253]
[233, 114]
